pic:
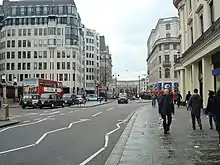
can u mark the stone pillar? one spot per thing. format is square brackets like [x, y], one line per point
[208, 79]
[5, 93]
[187, 79]
[195, 76]
[182, 82]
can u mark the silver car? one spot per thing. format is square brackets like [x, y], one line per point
[80, 99]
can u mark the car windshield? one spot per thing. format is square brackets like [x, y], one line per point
[27, 97]
[66, 95]
[45, 96]
[78, 96]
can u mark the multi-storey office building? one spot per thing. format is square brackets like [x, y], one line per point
[199, 64]
[92, 61]
[42, 40]
[163, 45]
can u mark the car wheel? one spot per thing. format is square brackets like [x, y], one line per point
[63, 105]
[35, 106]
[41, 107]
[52, 106]
[23, 107]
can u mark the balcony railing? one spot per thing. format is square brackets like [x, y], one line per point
[166, 64]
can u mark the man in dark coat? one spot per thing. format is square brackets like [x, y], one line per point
[195, 102]
[167, 109]
[210, 108]
[187, 99]
[178, 97]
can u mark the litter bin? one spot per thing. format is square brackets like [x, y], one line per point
[6, 111]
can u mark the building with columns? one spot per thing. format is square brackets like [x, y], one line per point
[163, 45]
[199, 63]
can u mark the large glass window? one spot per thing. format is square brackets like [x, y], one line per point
[51, 31]
[51, 41]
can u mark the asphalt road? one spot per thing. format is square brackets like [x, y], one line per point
[64, 136]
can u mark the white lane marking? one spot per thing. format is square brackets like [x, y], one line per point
[16, 149]
[106, 140]
[29, 114]
[110, 109]
[97, 114]
[83, 108]
[52, 113]
[70, 112]
[26, 121]
[52, 116]
[77, 110]
[119, 106]
[37, 119]
[21, 125]
[62, 114]
[42, 137]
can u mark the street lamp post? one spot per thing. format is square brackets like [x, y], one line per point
[4, 91]
[116, 82]
[105, 80]
[139, 83]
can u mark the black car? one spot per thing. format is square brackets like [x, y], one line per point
[50, 100]
[30, 100]
[123, 99]
[69, 99]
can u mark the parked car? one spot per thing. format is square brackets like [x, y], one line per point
[80, 99]
[69, 99]
[50, 100]
[92, 97]
[123, 98]
[30, 100]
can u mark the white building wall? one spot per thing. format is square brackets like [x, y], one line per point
[92, 59]
[198, 55]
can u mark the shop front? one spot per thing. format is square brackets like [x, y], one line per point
[216, 70]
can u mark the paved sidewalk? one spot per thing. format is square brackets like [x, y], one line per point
[143, 142]
[92, 104]
[4, 123]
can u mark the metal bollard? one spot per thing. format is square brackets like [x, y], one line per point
[6, 112]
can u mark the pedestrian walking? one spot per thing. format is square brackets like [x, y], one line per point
[154, 98]
[195, 103]
[159, 97]
[217, 112]
[167, 110]
[210, 108]
[178, 98]
[187, 100]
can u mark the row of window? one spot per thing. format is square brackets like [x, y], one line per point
[59, 77]
[38, 43]
[40, 10]
[70, 21]
[38, 32]
[167, 73]
[167, 58]
[37, 54]
[167, 46]
[37, 66]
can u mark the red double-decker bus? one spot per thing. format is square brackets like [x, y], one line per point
[39, 86]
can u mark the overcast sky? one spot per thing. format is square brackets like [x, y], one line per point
[126, 25]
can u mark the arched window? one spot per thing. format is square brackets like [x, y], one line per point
[167, 73]
[168, 26]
